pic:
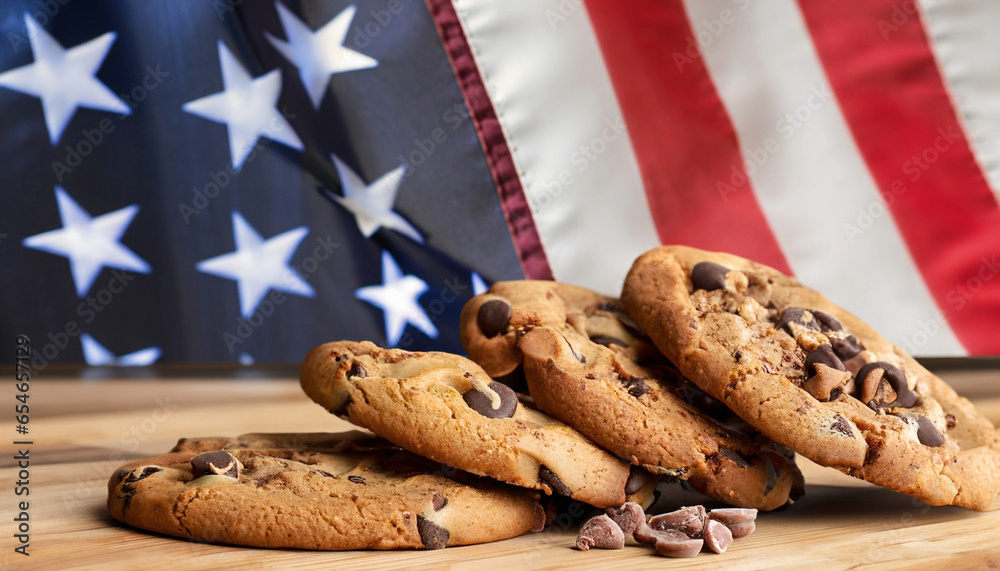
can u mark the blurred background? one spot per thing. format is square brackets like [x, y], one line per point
[236, 182]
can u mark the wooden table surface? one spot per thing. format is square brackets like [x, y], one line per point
[83, 429]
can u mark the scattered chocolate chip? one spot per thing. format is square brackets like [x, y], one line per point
[482, 404]
[357, 370]
[734, 456]
[439, 501]
[743, 529]
[637, 478]
[648, 535]
[869, 384]
[689, 520]
[772, 476]
[733, 515]
[927, 433]
[950, 421]
[357, 480]
[708, 276]
[841, 426]
[218, 462]
[628, 516]
[796, 315]
[847, 347]
[680, 548]
[827, 322]
[493, 317]
[635, 386]
[718, 537]
[823, 354]
[549, 478]
[608, 341]
[601, 532]
[432, 535]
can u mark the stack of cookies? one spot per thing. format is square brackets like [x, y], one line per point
[710, 369]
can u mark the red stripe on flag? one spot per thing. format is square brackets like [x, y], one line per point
[684, 140]
[883, 72]
[527, 243]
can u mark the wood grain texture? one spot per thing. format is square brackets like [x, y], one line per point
[82, 430]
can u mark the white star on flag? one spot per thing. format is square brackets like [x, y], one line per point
[320, 54]
[95, 354]
[397, 297]
[90, 243]
[371, 204]
[247, 107]
[259, 265]
[64, 79]
[478, 285]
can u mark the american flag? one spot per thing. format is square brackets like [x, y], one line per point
[236, 181]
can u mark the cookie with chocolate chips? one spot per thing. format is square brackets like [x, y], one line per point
[586, 363]
[315, 491]
[812, 376]
[445, 407]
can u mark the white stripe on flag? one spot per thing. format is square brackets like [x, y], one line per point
[809, 177]
[966, 45]
[544, 72]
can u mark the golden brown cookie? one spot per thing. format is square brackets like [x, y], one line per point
[315, 491]
[445, 407]
[812, 376]
[586, 364]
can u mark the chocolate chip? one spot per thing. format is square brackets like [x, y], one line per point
[629, 517]
[841, 426]
[772, 476]
[734, 456]
[218, 462]
[601, 532]
[823, 354]
[708, 276]
[847, 347]
[608, 341]
[927, 433]
[689, 520]
[145, 473]
[635, 386]
[827, 322]
[796, 315]
[439, 501]
[637, 478]
[718, 537]
[737, 355]
[868, 391]
[432, 535]
[493, 317]
[357, 370]
[482, 404]
[357, 480]
[549, 478]
[950, 421]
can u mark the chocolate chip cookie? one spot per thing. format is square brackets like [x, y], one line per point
[315, 491]
[586, 363]
[810, 375]
[445, 407]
